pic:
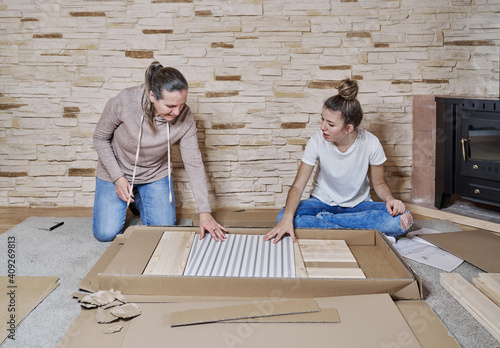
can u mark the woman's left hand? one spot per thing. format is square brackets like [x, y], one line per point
[208, 223]
[395, 207]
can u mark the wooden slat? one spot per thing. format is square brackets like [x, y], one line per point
[489, 284]
[329, 259]
[477, 304]
[317, 250]
[300, 267]
[459, 219]
[171, 254]
[324, 272]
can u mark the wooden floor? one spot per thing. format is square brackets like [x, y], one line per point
[12, 216]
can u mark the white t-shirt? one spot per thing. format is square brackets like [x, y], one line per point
[341, 178]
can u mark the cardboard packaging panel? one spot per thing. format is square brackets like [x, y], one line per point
[478, 247]
[365, 321]
[122, 265]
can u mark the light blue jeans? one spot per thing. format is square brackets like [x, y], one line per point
[313, 213]
[151, 200]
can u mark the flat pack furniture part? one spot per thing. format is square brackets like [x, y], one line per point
[485, 311]
[241, 255]
[329, 259]
[489, 284]
[171, 254]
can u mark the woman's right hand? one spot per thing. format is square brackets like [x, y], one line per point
[122, 187]
[283, 227]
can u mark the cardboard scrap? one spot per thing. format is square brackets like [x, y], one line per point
[111, 305]
[325, 315]
[254, 310]
[103, 298]
[113, 329]
[104, 316]
[126, 311]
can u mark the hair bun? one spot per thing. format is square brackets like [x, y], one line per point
[348, 89]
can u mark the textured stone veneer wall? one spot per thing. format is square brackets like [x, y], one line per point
[258, 72]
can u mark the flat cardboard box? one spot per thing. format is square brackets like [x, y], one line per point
[122, 265]
[478, 247]
[365, 321]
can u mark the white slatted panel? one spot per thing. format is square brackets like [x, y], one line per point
[241, 255]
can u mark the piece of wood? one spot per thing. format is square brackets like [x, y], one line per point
[171, 254]
[317, 250]
[335, 272]
[329, 259]
[300, 267]
[489, 284]
[477, 304]
[459, 219]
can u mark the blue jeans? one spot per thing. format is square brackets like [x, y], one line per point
[313, 213]
[151, 200]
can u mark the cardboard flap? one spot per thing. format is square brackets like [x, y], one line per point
[478, 247]
[254, 310]
[425, 324]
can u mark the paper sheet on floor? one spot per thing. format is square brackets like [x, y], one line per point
[418, 249]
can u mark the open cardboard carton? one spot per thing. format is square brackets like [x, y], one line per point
[367, 314]
[122, 265]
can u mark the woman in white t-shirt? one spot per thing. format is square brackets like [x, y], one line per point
[341, 195]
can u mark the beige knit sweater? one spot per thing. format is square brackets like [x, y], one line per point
[116, 137]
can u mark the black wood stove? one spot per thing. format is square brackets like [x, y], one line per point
[467, 150]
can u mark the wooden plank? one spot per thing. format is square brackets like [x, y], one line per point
[300, 267]
[489, 284]
[477, 304]
[324, 272]
[459, 219]
[171, 254]
[316, 250]
[329, 259]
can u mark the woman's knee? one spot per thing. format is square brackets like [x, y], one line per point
[105, 235]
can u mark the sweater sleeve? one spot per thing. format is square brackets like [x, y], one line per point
[195, 168]
[103, 134]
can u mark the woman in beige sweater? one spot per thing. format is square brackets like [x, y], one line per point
[133, 139]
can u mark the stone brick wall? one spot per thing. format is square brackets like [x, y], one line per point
[258, 70]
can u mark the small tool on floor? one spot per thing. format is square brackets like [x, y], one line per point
[57, 224]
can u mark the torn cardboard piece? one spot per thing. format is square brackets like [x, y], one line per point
[478, 247]
[254, 310]
[21, 294]
[111, 305]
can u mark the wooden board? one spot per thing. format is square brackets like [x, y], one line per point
[459, 219]
[171, 254]
[329, 259]
[489, 284]
[335, 272]
[478, 305]
[300, 267]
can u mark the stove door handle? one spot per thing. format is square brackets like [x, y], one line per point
[463, 141]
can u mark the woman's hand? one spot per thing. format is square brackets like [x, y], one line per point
[395, 207]
[122, 187]
[208, 223]
[281, 228]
